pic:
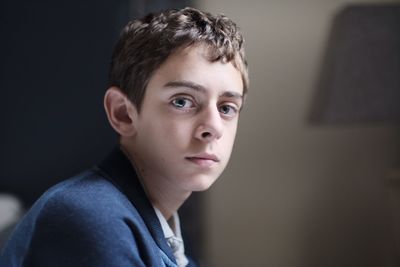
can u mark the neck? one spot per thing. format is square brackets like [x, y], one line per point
[166, 201]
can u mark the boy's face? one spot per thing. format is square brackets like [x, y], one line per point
[187, 124]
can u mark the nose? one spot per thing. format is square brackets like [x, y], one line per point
[210, 125]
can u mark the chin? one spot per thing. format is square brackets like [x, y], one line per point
[202, 183]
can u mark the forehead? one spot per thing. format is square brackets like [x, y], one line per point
[193, 64]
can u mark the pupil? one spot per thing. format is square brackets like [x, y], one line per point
[181, 102]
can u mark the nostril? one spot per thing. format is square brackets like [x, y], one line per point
[205, 134]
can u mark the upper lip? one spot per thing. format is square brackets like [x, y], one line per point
[206, 156]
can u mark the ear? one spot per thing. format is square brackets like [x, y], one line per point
[120, 111]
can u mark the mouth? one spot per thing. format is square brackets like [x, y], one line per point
[204, 160]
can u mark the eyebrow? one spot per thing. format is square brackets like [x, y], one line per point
[200, 88]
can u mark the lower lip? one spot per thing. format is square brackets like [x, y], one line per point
[205, 163]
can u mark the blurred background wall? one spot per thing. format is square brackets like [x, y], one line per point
[299, 194]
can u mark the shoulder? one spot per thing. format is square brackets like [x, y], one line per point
[89, 202]
[83, 221]
[87, 193]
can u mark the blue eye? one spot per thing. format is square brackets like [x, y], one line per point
[182, 102]
[228, 110]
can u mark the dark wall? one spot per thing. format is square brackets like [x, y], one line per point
[54, 60]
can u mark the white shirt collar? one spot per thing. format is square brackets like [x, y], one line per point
[168, 231]
[174, 233]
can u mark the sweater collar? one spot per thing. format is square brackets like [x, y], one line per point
[120, 171]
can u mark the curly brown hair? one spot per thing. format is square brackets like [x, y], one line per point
[146, 43]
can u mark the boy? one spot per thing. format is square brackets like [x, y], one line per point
[177, 84]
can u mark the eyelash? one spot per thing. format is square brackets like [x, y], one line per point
[193, 105]
[179, 98]
[232, 108]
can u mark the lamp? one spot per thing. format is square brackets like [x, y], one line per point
[360, 77]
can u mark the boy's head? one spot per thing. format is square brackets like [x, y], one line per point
[177, 83]
[146, 43]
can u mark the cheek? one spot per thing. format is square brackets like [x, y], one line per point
[230, 131]
[172, 133]
[229, 139]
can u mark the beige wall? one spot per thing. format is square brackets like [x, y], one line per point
[295, 194]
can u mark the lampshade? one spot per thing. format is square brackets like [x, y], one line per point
[360, 73]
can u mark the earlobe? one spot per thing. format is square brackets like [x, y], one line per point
[121, 113]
